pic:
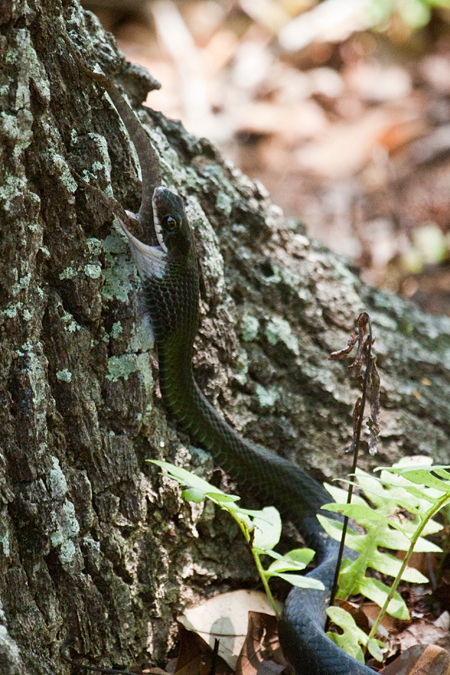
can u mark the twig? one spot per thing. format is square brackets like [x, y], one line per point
[370, 373]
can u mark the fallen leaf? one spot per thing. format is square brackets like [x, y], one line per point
[196, 657]
[225, 617]
[420, 660]
[421, 632]
[294, 122]
[388, 623]
[435, 69]
[376, 82]
[347, 147]
[261, 652]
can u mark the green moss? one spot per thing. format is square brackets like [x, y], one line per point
[68, 273]
[69, 523]
[266, 397]
[224, 203]
[142, 339]
[67, 552]
[62, 172]
[145, 371]
[279, 330]
[249, 327]
[72, 326]
[121, 366]
[94, 245]
[117, 282]
[67, 526]
[57, 481]
[64, 375]
[118, 271]
[93, 271]
[97, 166]
[17, 128]
[11, 310]
[22, 283]
[114, 245]
[241, 367]
[201, 456]
[4, 543]
[116, 330]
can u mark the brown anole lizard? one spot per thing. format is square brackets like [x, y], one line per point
[150, 178]
[146, 154]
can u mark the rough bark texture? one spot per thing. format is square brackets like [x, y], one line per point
[92, 542]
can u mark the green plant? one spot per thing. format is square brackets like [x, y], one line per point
[353, 640]
[414, 13]
[261, 529]
[421, 491]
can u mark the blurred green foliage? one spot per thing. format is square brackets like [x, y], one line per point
[414, 13]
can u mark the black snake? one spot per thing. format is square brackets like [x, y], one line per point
[170, 277]
[169, 272]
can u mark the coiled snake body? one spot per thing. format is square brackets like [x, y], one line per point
[169, 272]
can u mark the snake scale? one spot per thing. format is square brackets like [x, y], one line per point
[169, 271]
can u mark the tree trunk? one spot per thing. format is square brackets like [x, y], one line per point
[92, 542]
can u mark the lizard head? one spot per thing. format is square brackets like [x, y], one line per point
[171, 224]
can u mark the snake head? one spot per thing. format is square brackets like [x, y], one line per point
[168, 270]
[172, 232]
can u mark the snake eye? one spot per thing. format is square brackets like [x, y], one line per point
[171, 224]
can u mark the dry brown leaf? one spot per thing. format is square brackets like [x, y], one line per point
[376, 82]
[346, 148]
[225, 617]
[420, 660]
[388, 623]
[292, 122]
[436, 71]
[261, 652]
[196, 657]
[422, 632]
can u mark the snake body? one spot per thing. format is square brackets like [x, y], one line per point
[170, 277]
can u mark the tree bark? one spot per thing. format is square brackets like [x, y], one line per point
[93, 543]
